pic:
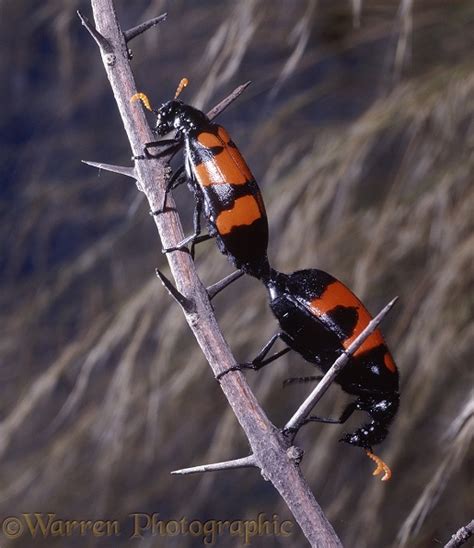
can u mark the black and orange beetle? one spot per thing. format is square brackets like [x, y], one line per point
[319, 318]
[222, 183]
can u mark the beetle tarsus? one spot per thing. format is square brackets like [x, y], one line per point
[239, 367]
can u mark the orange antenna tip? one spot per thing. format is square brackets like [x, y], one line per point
[143, 98]
[381, 466]
[184, 82]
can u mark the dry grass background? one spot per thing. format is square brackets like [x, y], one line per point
[360, 128]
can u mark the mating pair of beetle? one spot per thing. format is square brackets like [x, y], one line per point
[319, 316]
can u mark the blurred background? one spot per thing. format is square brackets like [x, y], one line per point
[359, 127]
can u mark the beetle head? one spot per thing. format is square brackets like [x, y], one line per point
[169, 116]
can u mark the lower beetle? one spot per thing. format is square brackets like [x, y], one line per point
[319, 318]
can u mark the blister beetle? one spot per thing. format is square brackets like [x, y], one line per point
[223, 185]
[319, 318]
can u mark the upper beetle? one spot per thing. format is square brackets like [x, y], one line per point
[222, 183]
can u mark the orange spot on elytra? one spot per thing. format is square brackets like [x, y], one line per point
[381, 466]
[209, 140]
[244, 212]
[389, 363]
[218, 172]
[222, 132]
[337, 294]
[227, 166]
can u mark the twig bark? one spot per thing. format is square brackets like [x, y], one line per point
[269, 446]
[461, 536]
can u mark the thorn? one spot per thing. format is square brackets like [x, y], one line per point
[122, 170]
[187, 304]
[245, 462]
[228, 100]
[102, 42]
[390, 305]
[216, 288]
[132, 33]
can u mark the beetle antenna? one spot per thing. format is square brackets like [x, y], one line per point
[184, 82]
[144, 99]
[381, 466]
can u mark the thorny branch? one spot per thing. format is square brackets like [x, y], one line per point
[270, 449]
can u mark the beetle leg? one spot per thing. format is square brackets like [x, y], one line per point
[256, 365]
[350, 408]
[297, 380]
[259, 361]
[168, 146]
[195, 238]
[177, 179]
[161, 143]
[182, 245]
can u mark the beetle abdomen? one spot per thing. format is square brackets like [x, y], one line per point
[321, 318]
[232, 198]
